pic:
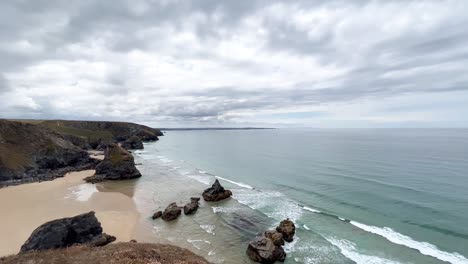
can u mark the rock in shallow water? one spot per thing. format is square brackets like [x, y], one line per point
[171, 213]
[118, 164]
[263, 250]
[65, 232]
[288, 229]
[157, 214]
[192, 207]
[216, 193]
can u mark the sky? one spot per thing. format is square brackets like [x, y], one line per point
[168, 63]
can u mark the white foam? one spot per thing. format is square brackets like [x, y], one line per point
[291, 247]
[240, 184]
[219, 209]
[306, 227]
[209, 228]
[202, 172]
[341, 218]
[82, 192]
[272, 203]
[311, 209]
[423, 247]
[197, 243]
[348, 249]
[203, 179]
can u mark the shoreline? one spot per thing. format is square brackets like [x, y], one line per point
[32, 204]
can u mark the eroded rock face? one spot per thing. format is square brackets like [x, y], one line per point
[216, 193]
[133, 142]
[65, 232]
[171, 213]
[263, 250]
[192, 207]
[288, 229]
[275, 236]
[118, 164]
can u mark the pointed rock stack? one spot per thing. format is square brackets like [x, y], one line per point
[216, 193]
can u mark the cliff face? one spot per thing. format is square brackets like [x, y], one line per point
[99, 132]
[32, 153]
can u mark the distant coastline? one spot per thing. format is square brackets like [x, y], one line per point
[215, 128]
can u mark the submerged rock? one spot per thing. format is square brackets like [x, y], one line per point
[65, 232]
[133, 142]
[263, 250]
[118, 164]
[171, 213]
[157, 214]
[192, 207]
[288, 229]
[216, 193]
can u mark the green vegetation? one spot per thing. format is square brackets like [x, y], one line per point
[91, 135]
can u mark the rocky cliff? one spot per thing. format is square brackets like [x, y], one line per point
[33, 153]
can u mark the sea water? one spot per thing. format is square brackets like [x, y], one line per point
[356, 195]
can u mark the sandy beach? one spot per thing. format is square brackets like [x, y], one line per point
[27, 206]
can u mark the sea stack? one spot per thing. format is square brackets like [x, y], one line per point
[118, 164]
[216, 193]
[267, 247]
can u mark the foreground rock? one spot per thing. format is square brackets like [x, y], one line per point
[117, 253]
[65, 232]
[118, 164]
[267, 247]
[216, 193]
[288, 229]
[263, 250]
[171, 213]
[30, 153]
[133, 142]
[192, 207]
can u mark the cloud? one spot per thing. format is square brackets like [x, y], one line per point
[232, 63]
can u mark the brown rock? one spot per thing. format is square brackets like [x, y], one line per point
[216, 193]
[157, 214]
[263, 250]
[171, 213]
[192, 207]
[288, 229]
[275, 236]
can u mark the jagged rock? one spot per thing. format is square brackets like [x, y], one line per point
[172, 212]
[65, 232]
[133, 142]
[192, 207]
[118, 164]
[147, 135]
[216, 193]
[288, 229]
[263, 250]
[157, 214]
[275, 236]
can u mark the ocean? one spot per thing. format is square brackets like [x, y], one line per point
[356, 195]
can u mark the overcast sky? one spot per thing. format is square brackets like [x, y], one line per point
[237, 63]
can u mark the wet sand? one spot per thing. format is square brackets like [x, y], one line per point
[27, 206]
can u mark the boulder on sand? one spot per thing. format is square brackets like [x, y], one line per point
[172, 212]
[133, 142]
[118, 164]
[216, 193]
[288, 229]
[263, 250]
[65, 232]
[192, 207]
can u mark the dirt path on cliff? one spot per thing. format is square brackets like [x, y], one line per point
[25, 207]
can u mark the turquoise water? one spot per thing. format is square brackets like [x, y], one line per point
[357, 195]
